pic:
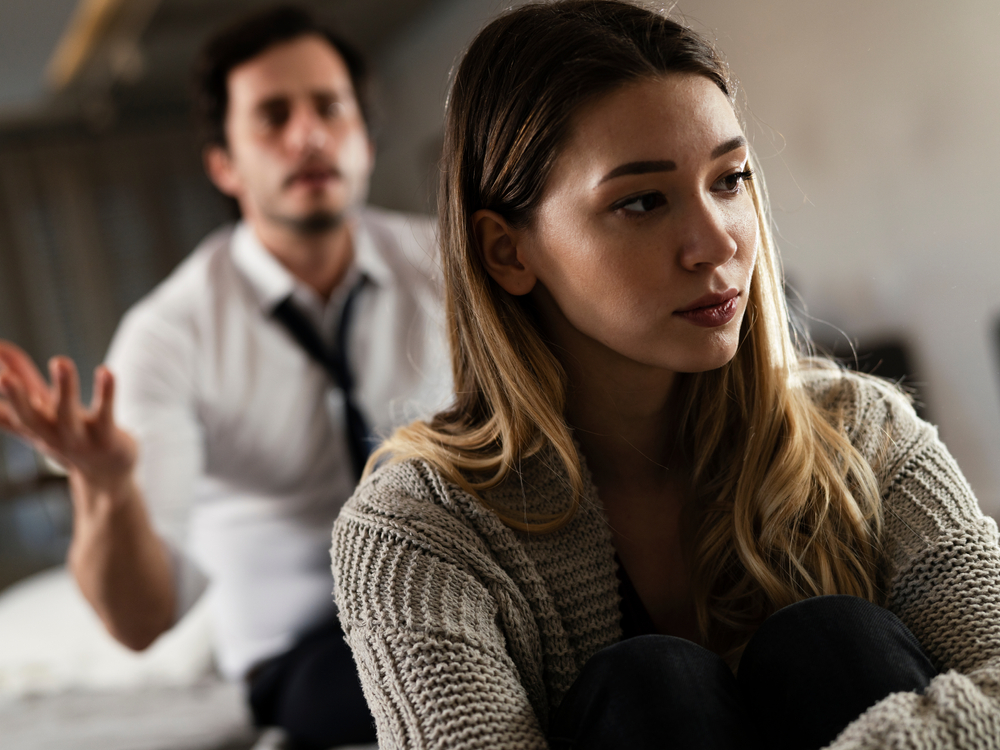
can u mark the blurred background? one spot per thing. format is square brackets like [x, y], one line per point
[875, 122]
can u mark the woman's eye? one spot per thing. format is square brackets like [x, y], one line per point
[643, 203]
[731, 182]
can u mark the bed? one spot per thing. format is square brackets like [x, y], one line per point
[64, 683]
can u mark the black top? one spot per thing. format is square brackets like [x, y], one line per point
[635, 618]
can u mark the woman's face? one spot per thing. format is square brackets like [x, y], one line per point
[645, 238]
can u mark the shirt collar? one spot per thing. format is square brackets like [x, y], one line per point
[367, 255]
[271, 282]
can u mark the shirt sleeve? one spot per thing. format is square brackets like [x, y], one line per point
[422, 622]
[945, 586]
[153, 365]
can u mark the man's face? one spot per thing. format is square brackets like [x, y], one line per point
[298, 152]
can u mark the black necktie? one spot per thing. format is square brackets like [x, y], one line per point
[334, 361]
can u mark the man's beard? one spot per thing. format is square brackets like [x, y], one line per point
[318, 222]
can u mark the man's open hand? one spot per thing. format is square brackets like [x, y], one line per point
[84, 440]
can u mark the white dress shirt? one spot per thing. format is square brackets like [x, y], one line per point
[244, 460]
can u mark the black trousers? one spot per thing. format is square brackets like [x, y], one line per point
[810, 670]
[313, 693]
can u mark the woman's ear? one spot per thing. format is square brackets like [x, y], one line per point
[502, 254]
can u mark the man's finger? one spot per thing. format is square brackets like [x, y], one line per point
[35, 424]
[67, 395]
[103, 402]
[15, 359]
[9, 420]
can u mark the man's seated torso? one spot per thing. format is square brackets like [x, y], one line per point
[244, 424]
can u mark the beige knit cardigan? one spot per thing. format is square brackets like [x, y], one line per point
[467, 633]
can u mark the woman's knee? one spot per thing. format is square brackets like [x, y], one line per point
[847, 611]
[641, 690]
[652, 660]
[647, 674]
[828, 624]
[844, 635]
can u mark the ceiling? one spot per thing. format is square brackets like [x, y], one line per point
[140, 64]
[29, 32]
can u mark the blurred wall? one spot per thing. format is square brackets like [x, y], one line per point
[874, 123]
[88, 224]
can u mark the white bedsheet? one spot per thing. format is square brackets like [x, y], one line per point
[52, 641]
[209, 716]
[65, 684]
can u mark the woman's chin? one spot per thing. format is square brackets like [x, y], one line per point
[700, 359]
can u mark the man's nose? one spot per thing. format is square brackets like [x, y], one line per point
[306, 131]
[706, 239]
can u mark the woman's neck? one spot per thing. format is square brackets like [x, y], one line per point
[622, 421]
[620, 409]
[622, 415]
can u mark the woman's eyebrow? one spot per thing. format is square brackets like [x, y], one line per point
[645, 167]
[639, 167]
[731, 145]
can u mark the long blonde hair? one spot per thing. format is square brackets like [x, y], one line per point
[788, 508]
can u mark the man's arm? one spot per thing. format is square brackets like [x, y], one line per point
[118, 560]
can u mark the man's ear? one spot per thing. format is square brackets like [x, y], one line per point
[220, 170]
[502, 252]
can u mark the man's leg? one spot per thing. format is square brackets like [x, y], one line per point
[815, 666]
[313, 693]
[652, 691]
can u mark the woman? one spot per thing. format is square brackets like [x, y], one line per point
[642, 488]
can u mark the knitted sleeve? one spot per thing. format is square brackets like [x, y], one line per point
[945, 586]
[418, 597]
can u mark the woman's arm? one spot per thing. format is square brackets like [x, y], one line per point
[422, 623]
[945, 586]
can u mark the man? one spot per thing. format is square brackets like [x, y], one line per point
[248, 385]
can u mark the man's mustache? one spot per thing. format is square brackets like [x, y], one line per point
[311, 170]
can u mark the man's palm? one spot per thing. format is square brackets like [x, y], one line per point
[54, 420]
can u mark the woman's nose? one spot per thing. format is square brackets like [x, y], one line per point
[706, 239]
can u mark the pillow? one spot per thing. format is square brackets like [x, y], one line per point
[51, 640]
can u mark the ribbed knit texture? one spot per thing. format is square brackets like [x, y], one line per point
[467, 633]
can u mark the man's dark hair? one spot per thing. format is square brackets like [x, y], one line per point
[249, 37]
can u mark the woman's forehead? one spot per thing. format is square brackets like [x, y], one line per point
[673, 117]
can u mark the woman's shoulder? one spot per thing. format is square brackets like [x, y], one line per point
[925, 496]
[539, 484]
[831, 384]
[410, 488]
[411, 502]
[877, 414]
[411, 480]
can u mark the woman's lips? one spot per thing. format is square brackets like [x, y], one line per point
[711, 310]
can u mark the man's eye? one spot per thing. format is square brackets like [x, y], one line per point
[643, 203]
[731, 182]
[330, 108]
[275, 115]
